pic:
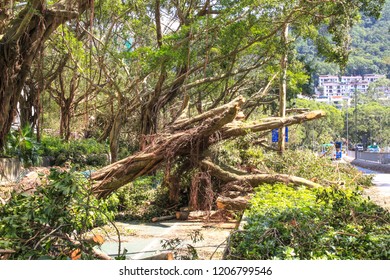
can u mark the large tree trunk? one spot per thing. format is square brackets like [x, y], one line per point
[255, 179]
[283, 88]
[161, 95]
[164, 147]
[180, 139]
[115, 134]
[67, 104]
[18, 48]
[65, 117]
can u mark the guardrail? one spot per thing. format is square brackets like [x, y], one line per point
[383, 158]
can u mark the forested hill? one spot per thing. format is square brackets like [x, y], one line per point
[370, 50]
[371, 45]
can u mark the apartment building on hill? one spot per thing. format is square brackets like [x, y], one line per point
[330, 85]
[339, 90]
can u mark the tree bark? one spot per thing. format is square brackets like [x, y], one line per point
[255, 179]
[283, 89]
[18, 48]
[164, 147]
[180, 139]
[115, 133]
[227, 203]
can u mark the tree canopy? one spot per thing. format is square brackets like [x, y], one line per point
[149, 57]
[368, 50]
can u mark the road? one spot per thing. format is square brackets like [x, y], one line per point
[380, 192]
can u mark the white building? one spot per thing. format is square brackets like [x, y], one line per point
[373, 77]
[345, 85]
[338, 91]
[327, 79]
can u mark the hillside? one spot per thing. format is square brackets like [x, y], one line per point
[371, 46]
[370, 51]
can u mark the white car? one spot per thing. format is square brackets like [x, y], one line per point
[359, 147]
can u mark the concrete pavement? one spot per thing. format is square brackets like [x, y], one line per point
[145, 239]
[380, 192]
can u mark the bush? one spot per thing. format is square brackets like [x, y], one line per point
[79, 152]
[326, 223]
[51, 223]
[21, 143]
[142, 199]
[307, 164]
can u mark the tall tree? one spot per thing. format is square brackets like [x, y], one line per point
[22, 34]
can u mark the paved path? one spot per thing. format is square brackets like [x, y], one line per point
[380, 192]
[144, 239]
[382, 182]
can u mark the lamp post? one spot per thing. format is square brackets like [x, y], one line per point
[355, 112]
[347, 128]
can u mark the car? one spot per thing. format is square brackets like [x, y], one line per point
[373, 148]
[359, 147]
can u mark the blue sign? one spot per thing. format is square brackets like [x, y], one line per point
[275, 135]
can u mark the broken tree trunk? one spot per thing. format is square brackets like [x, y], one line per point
[164, 147]
[185, 135]
[227, 203]
[235, 195]
[255, 179]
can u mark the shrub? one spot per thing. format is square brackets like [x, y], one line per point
[21, 143]
[79, 152]
[51, 223]
[142, 199]
[326, 223]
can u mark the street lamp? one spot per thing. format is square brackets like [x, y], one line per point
[355, 112]
[347, 128]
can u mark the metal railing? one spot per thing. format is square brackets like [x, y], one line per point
[383, 158]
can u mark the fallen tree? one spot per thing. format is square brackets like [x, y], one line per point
[189, 137]
[234, 197]
[255, 179]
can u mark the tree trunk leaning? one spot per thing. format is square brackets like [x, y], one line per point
[180, 138]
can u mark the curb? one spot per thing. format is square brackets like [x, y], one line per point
[382, 168]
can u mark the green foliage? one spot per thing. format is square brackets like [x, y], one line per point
[307, 164]
[228, 152]
[81, 153]
[302, 163]
[142, 199]
[326, 223]
[51, 223]
[369, 52]
[370, 45]
[373, 123]
[22, 144]
[315, 133]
